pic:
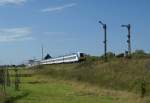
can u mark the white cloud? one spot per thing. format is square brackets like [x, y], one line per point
[58, 8]
[16, 2]
[15, 34]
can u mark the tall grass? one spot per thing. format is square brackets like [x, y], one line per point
[117, 74]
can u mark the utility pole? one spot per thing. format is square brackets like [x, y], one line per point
[42, 51]
[129, 38]
[105, 39]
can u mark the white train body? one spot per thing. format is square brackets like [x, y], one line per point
[62, 59]
[74, 57]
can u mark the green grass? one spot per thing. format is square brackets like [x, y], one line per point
[2, 99]
[116, 81]
[52, 91]
[121, 74]
[42, 89]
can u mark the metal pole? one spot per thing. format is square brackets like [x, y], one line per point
[129, 38]
[105, 39]
[42, 52]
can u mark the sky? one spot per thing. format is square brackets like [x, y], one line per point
[68, 26]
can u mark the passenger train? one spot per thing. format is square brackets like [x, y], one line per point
[70, 58]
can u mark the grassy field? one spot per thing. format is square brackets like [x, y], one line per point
[118, 74]
[117, 81]
[42, 89]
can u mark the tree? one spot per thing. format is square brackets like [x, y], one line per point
[139, 53]
[110, 54]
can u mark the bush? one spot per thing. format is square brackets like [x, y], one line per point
[139, 53]
[92, 58]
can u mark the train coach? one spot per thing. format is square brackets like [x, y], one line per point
[74, 57]
[70, 58]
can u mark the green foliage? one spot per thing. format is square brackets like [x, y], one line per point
[110, 54]
[92, 58]
[140, 54]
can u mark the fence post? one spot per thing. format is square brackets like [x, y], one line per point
[8, 77]
[143, 88]
[16, 79]
[2, 80]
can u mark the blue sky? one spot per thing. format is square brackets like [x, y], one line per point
[66, 26]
